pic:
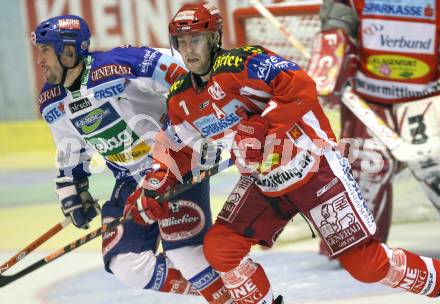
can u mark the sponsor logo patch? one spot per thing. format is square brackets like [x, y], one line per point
[112, 238]
[96, 119]
[267, 67]
[338, 224]
[134, 154]
[397, 67]
[54, 112]
[233, 203]
[287, 175]
[110, 70]
[211, 125]
[295, 133]
[109, 89]
[424, 9]
[149, 62]
[204, 279]
[177, 84]
[79, 105]
[113, 140]
[49, 94]
[398, 36]
[392, 89]
[229, 63]
[327, 187]
[186, 219]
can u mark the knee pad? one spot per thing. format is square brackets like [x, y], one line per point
[367, 263]
[134, 269]
[224, 249]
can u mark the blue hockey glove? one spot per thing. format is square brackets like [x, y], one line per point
[76, 200]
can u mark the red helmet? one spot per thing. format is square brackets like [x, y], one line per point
[193, 18]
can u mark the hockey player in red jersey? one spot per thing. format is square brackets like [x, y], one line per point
[390, 59]
[266, 109]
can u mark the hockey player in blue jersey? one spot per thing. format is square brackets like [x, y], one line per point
[112, 103]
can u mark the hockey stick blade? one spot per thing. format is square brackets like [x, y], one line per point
[402, 150]
[106, 228]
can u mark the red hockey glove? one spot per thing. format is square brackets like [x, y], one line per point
[250, 139]
[144, 209]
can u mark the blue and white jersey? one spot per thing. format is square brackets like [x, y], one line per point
[117, 111]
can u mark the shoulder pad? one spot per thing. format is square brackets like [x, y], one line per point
[111, 64]
[50, 94]
[232, 61]
[181, 84]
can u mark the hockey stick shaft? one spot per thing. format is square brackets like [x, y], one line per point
[280, 27]
[4, 280]
[35, 244]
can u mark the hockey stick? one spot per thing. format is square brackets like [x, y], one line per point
[105, 228]
[280, 27]
[402, 150]
[35, 244]
[40, 240]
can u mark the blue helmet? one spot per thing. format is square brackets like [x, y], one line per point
[64, 30]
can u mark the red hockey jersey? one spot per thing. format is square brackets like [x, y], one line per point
[263, 83]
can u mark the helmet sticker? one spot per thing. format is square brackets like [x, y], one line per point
[69, 24]
[185, 15]
[84, 45]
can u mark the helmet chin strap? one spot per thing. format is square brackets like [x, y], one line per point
[65, 69]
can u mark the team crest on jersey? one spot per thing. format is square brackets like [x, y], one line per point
[185, 220]
[216, 92]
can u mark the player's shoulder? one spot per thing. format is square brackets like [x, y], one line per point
[180, 85]
[110, 65]
[233, 60]
[50, 94]
[129, 62]
[129, 54]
